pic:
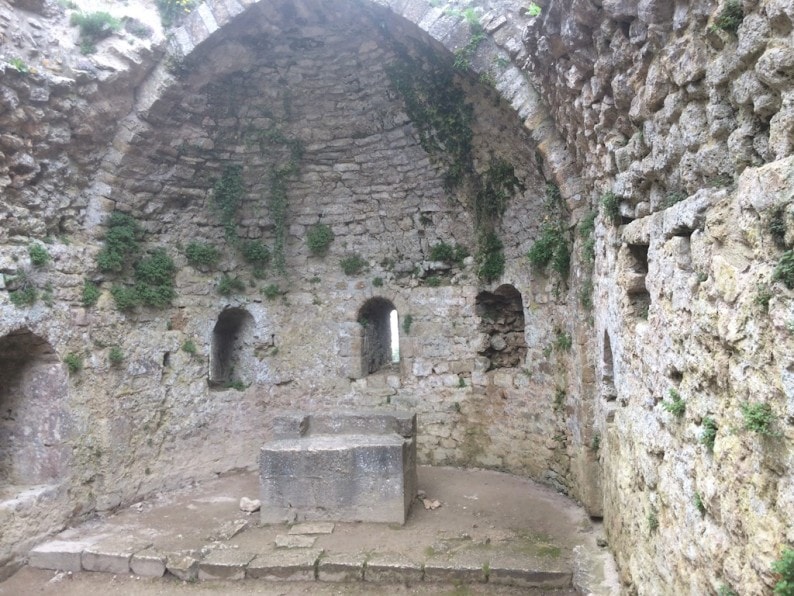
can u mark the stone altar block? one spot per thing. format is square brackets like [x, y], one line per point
[344, 466]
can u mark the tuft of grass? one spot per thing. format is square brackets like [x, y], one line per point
[610, 207]
[563, 342]
[784, 271]
[38, 255]
[91, 293]
[189, 347]
[271, 291]
[94, 26]
[534, 10]
[730, 17]
[228, 285]
[763, 296]
[433, 281]
[698, 501]
[709, 433]
[408, 320]
[551, 247]
[122, 243]
[25, 293]
[115, 356]
[19, 65]
[73, 362]
[676, 405]
[653, 521]
[759, 418]
[377, 282]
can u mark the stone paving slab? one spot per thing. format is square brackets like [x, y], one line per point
[224, 564]
[392, 568]
[112, 555]
[294, 541]
[341, 567]
[528, 578]
[183, 566]
[442, 570]
[291, 565]
[312, 528]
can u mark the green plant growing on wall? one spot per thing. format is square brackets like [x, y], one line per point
[122, 243]
[94, 26]
[74, 362]
[676, 406]
[352, 264]
[777, 227]
[490, 257]
[271, 291]
[227, 196]
[19, 65]
[464, 55]
[563, 341]
[38, 255]
[319, 238]
[189, 347]
[91, 293]
[534, 10]
[595, 443]
[709, 435]
[759, 418]
[653, 521]
[201, 255]
[762, 297]
[172, 11]
[433, 281]
[24, 292]
[730, 17]
[257, 254]
[784, 271]
[551, 248]
[228, 285]
[726, 590]
[408, 320]
[154, 279]
[115, 356]
[377, 282]
[698, 501]
[447, 253]
[784, 568]
[610, 207]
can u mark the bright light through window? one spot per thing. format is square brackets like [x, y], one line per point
[395, 336]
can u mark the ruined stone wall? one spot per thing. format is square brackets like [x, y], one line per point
[675, 111]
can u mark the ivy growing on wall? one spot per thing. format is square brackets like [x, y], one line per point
[436, 105]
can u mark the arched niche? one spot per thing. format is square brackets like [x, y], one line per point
[501, 314]
[608, 370]
[34, 420]
[378, 319]
[231, 353]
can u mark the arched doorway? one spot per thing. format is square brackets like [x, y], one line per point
[231, 336]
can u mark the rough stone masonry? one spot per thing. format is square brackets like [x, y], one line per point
[207, 224]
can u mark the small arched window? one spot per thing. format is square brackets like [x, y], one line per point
[380, 346]
[230, 337]
[501, 315]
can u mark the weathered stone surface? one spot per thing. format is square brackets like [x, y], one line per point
[148, 563]
[284, 566]
[112, 555]
[225, 564]
[312, 528]
[391, 568]
[62, 555]
[342, 567]
[294, 541]
[185, 567]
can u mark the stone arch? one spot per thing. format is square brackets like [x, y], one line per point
[34, 423]
[377, 328]
[231, 355]
[501, 315]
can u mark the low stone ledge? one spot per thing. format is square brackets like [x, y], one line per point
[112, 556]
[226, 564]
[60, 555]
[285, 566]
[392, 568]
[341, 567]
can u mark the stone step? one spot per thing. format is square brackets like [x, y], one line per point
[123, 556]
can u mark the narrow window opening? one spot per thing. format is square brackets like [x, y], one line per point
[608, 371]
[231, 337]
[380, 346]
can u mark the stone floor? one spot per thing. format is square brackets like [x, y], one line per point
[490, 528]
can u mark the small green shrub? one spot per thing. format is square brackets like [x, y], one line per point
[784, 567]
[171, 11]
[408, 320]
[653, 521]
[154, 279]
[587, 234]
[534, 10]
[230, 285]
[490, 257]
[227, 196]
[93, 27]
[73, 362]
[676, 405]
[698, 501]
[377, 282]
[671, 198]
[595, 444]
[352, 264]
[726, 590]
[759, 418]
[19, 65]
[256, 253]
[319, 238]
[563, 342]
[777, 227]
[91, 293]
[189, 347]
[38, 255]
[122, 243]
[201, 255]
[551, 248]
[785, 270]
[433, 281]
[236, 385]
[762, 297]
[271, 291]
[610, 207]
[115, 356]
[730, 17]
[126, 298]
[447, 253]
[25, 292]
[709, 433]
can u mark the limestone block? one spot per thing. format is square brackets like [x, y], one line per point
[288, 541]
[62, 555]
[441, 570]
[284, 565]
[340, 477]
[392, 568]
[341, 567]
[224, 564]
[112, 555]
[185, 567]
[148, 563]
